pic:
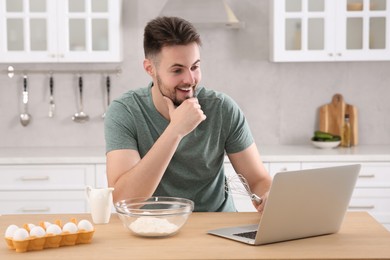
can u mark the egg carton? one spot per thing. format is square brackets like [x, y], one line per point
[33, 243]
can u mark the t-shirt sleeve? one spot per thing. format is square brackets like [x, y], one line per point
[119, 129]
[239, 136]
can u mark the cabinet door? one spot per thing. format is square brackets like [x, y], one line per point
[42, 202]
[26, 30]
[276, 167]
[46, 177]
[302, 30]
[101, 177]
[363, 31]
[90, 31]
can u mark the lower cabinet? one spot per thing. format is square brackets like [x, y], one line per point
[42, 202]
[57, 188]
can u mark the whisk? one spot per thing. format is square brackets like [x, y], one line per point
[237, 184]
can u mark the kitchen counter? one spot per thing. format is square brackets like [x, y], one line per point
[360, 237]
[269, 153]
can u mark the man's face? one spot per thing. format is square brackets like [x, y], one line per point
[178, 72]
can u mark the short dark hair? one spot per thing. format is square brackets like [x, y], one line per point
[168, 31]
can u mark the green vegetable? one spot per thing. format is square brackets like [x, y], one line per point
[320, 136]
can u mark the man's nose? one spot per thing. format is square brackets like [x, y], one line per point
[189, 77]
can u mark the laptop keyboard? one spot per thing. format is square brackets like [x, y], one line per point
[251, 234]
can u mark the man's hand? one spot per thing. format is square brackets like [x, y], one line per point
[260, 207]
[186, 117]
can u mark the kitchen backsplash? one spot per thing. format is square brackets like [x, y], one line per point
[280, 100]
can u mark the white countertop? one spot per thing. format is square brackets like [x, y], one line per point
[269, 153]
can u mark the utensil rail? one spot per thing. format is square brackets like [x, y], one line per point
[12, 72]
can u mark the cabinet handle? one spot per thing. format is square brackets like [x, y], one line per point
[44, 209]
[35, 178]
[365, 207]
[339, 54]
[330, 54]
[284, 169]
[367, 176]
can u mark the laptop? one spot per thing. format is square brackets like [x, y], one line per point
[300, 204]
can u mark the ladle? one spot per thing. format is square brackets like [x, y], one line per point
[108, 94]
[80, 117]
[25, 117]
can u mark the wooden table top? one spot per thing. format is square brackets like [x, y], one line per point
[361, 237]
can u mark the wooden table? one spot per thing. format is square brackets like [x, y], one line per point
[360, 237]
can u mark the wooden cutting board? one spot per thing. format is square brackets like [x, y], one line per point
[331, 117]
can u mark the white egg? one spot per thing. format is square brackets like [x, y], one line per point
[85, 225]
[46, 224]
[20, 234]
[9, 232]
[30, 226]
[37, 231]
[70, 227]
[54, 229]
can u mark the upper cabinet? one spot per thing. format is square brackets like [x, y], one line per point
[60, 31]
[330, 30]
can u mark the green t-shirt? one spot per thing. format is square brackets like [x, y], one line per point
[196, 170]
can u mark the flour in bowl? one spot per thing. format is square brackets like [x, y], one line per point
[151, 226]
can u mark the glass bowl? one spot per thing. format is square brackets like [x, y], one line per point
[154, 216]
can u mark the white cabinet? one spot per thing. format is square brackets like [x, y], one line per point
[330, 30]
[44, 188]
[101, 176]
[60, 31]
[275, 167]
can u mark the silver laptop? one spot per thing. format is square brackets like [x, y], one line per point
[300, 204]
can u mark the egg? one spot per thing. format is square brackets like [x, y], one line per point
[30, 226]
[70, 227]
[46, 224]
[54, 229]
[20, 234]
[37, 231]
[85, 225]
[9, 232]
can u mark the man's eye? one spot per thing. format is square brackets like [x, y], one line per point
[177, 71]
[195, 67]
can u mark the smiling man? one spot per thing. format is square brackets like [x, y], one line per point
[170, 138]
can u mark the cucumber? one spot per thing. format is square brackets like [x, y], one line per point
[325, 137]
[322, 135]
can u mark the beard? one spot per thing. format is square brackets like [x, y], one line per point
[171, 94]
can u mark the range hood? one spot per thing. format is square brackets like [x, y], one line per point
[203, 13]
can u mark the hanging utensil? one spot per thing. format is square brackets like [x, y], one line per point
[80, 117]
[52, 105]
[25, 117]
[108, 83]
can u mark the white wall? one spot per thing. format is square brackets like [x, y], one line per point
[280, 100]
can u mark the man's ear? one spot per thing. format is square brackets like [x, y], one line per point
[148, 66]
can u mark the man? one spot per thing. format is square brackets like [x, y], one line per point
[170, 138]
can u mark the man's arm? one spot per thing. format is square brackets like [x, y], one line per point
[132, 176]
[248, 163]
